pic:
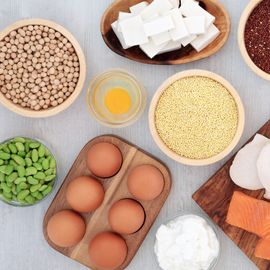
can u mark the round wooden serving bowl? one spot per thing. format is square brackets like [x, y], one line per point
[241, 39]
[172, 154]
[54, 110]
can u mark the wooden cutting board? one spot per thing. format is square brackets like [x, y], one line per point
[214, 198]
[115, 189]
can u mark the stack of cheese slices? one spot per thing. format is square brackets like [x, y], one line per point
[162, 26]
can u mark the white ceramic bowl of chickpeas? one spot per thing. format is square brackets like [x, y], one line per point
[42, 68]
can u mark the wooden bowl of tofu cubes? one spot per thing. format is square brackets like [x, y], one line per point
[165, 32]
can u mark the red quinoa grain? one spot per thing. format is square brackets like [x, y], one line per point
[257, 36]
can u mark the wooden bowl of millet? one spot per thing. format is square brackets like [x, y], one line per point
[42, 69]
[251, 34]
[196, 117]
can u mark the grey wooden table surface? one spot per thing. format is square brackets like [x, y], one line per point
[22, 246]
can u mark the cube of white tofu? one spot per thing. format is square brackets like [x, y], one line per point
[137, 9]
[171, 46]
[175, 3]
[161, 38]
[180, 31]
[190, 8]
[119, 35]
[195, 25]
[158, 26]
[203, 41]
[123, 16]
[133, 31]
[157, 6]
[188, 40]
[151, 50]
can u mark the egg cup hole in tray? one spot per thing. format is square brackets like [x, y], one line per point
[116, 189]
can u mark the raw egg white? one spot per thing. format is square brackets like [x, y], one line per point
[145, 182]
[126, 216]
[85, 194]
[66, 228]
[107, 251]
[104, 159]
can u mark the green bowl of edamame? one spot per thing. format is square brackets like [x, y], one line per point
[28, 171]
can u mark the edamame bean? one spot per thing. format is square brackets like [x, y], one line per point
[34, 145]
[42, 188]
[32, 181]
[52, 163]
[30, 199]
[19, 139]
[4, 155]
[28, 161]
[21, 154]
[49, 172]
[41, 151]
[34, 155]
[45, 164]
[30, 171]
[19, 160]
[49, 178]
[35, 188]
[20, 180]
[8, 196]
[6, 149]
[12, 148]
[12, 177]
[47, 191]
[40, 176]
[5, 187]
[21, 171]
[2, 177]
[38, 166]
[22, 195]
[2, 161]
[20, 146]
[23, 186]
[40, 196]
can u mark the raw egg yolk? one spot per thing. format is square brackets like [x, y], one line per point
[117, 101]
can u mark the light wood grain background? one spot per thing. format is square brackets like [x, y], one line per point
[22, 246]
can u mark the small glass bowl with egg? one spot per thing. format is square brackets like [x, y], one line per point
[116, 99]
[181, 231]
[28, 171]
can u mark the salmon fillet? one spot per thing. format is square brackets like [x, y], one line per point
[263, 249]
[250, 214]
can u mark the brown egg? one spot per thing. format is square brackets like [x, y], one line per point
[107, 251]
[104, 159]
[126, 216]
[85, 194]
[66, 228]
[145, 182]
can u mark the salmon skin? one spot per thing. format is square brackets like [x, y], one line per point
[252, 215]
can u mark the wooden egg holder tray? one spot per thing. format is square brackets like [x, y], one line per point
[115, 189]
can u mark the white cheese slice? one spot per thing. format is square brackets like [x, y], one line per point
[187, 40]
[190, 8]
[161, 38]
[180, 31]
[195, 25]
[203, 41]
[159, 25]
[123, 16]
[119, 35]
[151, 50]
[157, 6]
[137, 9]
[133, 31]
[171, 46]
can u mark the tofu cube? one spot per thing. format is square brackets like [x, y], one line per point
[158, 26]
[123, 16]
[191, 8]
[188, 40]
[175, 3]
[180, 31]
[133, 31]
[119, 35]
[203, 41]
[151, 49]
[171, 46]
[161, 38]
[137, 9]
[157, 6]
[195, 25]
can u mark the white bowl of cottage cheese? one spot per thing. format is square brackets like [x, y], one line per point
[188, 242]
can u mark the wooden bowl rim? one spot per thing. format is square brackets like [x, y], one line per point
[241, 39]
[52, 111]
[199, 56]
[172, 154]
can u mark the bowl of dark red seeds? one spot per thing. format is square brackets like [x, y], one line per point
[254, 37]
[42, 68]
